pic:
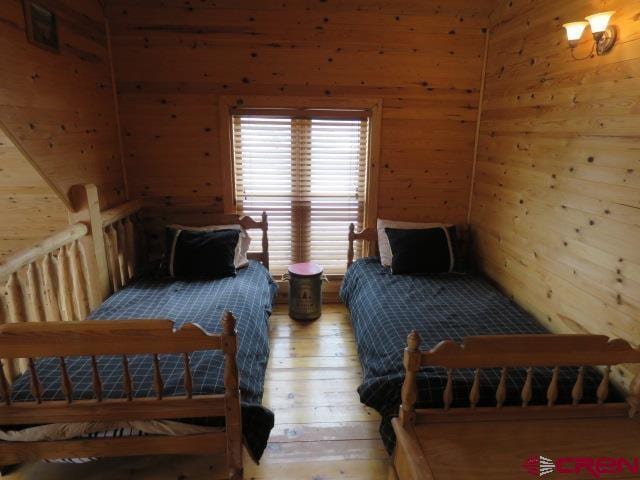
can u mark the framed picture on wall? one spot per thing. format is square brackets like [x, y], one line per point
[41, 25]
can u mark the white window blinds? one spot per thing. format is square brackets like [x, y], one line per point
[309, 174]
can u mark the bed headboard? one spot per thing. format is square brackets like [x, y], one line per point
[125, 238]
[369, 245]
[369, 238]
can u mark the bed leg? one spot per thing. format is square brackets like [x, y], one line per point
[233, 420]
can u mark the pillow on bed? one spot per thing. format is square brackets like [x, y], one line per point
[383, 241]
[205, 254]
[421, 251]
[240, 258]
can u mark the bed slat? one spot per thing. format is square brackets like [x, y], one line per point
[67, 387]
[95, 378]
[157, 377]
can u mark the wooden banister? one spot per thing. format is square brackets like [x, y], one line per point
[25, 257]
[120, 212]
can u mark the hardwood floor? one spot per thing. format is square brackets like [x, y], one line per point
[322, 430]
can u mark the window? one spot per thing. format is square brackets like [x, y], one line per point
[308, 170]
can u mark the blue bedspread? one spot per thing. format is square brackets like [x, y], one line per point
[385, 308]
[249, 296]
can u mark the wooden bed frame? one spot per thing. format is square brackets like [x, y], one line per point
[47, 291]
[413, 458]
[415, 455]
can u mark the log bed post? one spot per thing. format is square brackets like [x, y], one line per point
[409, 393]
[233, 417]
[86, 204]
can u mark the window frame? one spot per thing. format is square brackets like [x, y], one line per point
[229, 106]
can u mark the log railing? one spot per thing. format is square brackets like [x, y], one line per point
[53, 281]
[506, 352]
[27, 341]
[124, 243]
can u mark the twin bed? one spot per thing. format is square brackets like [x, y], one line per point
[180, 365]
[177, 365]
[447, 352]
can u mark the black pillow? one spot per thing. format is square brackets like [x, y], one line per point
[201, 255]
[420, 251]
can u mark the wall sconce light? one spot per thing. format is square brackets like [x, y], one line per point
[604, 35]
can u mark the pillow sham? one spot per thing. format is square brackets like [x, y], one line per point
[205, 254]
[383, 241]
[240, 258]
[421, 251]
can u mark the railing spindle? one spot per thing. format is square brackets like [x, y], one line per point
[35, 299]
[122, 253]
[447, 395]
[17, 314]
[603, 388]
[112, 257]
[36, 388]
[130, 245]
[527, 389]
[141, 239]
[501, 392]
[77, 278]
[474, 394]
[188, 381]
[578, 388]
[157, 377]
[552, 391]
[95, 376]
[67, 387]
[64, 283]
[50, 297]
[128, 386]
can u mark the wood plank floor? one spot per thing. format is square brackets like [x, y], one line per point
[322, 430]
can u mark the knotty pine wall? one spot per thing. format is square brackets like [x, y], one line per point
[173, 59]
[29, 209]
[556, 205]
[61, 107]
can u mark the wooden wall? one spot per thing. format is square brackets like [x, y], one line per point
[423, 58]
[556, 206]
[61, 107]
[29, 209]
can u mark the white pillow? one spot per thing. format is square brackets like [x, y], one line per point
[383, 241]
[240, 260]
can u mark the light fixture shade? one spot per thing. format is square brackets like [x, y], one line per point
[599, 21]
[574, 30]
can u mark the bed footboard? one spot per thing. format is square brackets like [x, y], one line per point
[506, 352]
[123, 338]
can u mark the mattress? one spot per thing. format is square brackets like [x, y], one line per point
[249, 296]
[385, 308]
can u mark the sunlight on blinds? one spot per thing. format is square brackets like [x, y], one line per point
[309, 174]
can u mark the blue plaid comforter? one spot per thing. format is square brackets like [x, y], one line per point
[249, 296]
[385, 308]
